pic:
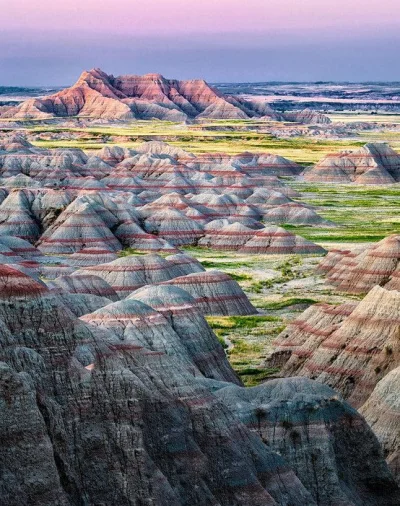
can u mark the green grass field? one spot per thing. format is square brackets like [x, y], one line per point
[246, 340]
[195, 138]
[217, 136]
[362, 213]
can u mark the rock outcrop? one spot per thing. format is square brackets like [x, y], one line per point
[97, 413]
[348, 347]
[375, 163]
[307, 429]
[307, 117]
[99, 95]
[382, 412]
[359, 271]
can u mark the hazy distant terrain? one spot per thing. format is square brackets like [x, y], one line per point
[11, 95]
[324, 96]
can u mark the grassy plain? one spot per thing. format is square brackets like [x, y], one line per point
[362, 213]
[219, 136]
[232, 137]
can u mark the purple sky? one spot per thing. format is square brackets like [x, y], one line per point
[49, 42]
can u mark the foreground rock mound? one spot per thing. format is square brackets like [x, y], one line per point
[93, 285]
[130, 273]
[375, 163]
[382, 412]
[116, 420]
[296, 414]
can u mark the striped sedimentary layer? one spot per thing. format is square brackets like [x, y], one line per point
[153, 198]
[103, 223]
[222, 235]
[129, 273]
[88, 284]
[374, 163]
[215, 293]
[350, 348]
[273, 239]
[358, 272]
[85, 280]
[123, 385]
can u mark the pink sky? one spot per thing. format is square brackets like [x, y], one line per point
[49, 42]
[197, 16]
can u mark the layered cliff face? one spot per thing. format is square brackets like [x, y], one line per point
[350, 348]
[374, 163]
[99, 95]
[101, 410]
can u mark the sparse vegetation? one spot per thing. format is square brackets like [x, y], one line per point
[130, 251]
[246, 340]
[283, 304]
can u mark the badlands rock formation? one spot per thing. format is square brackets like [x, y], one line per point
[132, 272]
[374, 163]
[305, 416]
[382, 412]
[117, 408]
[154, 198]
[349, 347]
[307, 117]
[268, 240]
[215, 293]
[278, 240]
[99, 95]
[359, 271]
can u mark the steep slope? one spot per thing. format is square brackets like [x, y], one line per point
[382, 412]
[311, 433]
[90, 416]
[98, 95]
[215, 292]
[350, 348]
[358, 272]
